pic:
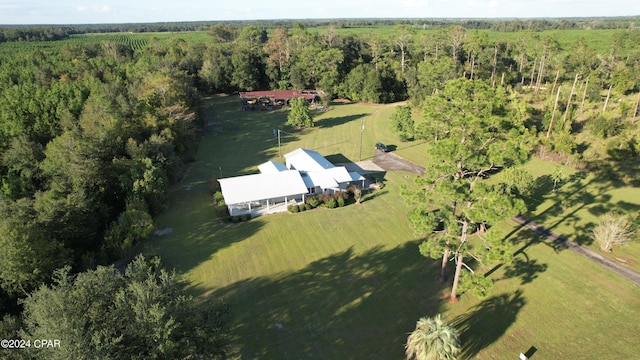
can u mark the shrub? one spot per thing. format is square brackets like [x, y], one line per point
[245, 217]
[341, 201]
[604, 126]
[235, 219]
[614, 230]
[313, 201]
[357, 194]
[331, 204]
[301, 207]
[380, 185]
[222, 211]
[218, 198]
[325, 198]
[293, 208]
[307, 207]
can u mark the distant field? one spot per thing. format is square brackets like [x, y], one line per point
[599, 40]
[138, 41]
[349, 283]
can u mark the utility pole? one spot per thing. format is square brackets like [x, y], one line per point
[279, 152]
[361, 131]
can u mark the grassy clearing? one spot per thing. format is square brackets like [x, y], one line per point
[558, 302]
[579, 202]
[349, 283]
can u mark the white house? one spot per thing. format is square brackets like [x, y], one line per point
[278, 184]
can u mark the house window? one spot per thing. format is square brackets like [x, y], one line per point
[311, 190]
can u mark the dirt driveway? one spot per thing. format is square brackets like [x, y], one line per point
[390, 161]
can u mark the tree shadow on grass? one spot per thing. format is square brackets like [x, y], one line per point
[622, 164]
[193, 242]
[524, 268]
[570, 198]
[345, 306]
[194, 232]
[336, 121]
[372, 195]
[487, 322]
[338, 158]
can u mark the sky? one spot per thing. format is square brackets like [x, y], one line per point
[143, 11]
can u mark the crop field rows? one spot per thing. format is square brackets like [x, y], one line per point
[137, 41]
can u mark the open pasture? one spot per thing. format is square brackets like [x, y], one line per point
[349, 283]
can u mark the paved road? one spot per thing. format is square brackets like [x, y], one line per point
[630, 274]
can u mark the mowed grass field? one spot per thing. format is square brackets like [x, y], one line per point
[349, 283]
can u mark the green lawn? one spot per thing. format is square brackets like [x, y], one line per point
[349, 283]
[578, 204]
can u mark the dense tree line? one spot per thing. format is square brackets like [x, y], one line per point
[91, 137]
[139, 313]
[90, 141]
[406, 63]
[19, 34]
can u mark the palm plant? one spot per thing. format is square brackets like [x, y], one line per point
[433, 339]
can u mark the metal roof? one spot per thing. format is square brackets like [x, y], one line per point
[355, 176]
[242, 189]
[327, 179]
[307, 169]
[319, 178]
[279, 94]
[307, 160]
[272, 167]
